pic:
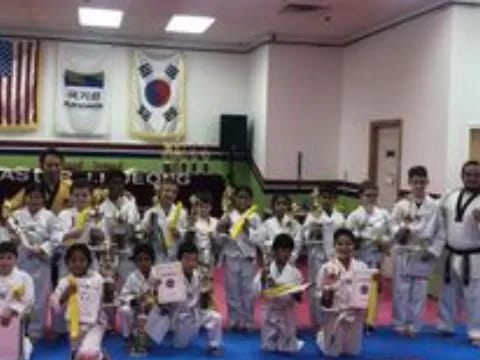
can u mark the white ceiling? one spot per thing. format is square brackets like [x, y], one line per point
[239, 22]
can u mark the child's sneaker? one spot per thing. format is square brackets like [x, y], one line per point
[214, 351]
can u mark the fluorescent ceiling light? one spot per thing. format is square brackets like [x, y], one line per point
[189, 24]
[88, 16]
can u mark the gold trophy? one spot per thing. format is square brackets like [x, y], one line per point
[139, 340]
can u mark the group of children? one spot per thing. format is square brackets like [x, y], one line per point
[106, 239]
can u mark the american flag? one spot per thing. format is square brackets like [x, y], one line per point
[18, 84]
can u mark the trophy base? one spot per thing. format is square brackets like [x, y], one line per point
[138, 354]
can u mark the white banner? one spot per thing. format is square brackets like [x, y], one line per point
[83, 90]
[158, 95]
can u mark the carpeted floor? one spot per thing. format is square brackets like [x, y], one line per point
[383, 345]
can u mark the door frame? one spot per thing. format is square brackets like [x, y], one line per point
[468, 138]
[375, 127]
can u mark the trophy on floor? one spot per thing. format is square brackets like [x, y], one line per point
[139, 339]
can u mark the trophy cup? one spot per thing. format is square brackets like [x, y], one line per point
[139, 340]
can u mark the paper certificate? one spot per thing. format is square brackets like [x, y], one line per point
[171, 283]
[361, 289]
[90, 296]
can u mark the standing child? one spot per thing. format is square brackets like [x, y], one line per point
[371, 225]
[280, 223]
[187, 317]
[239, 254]
[205, 227]
[16, 292]
[343, 328]
[78, 223]
[279, 330]
[120, 215]
[417, 246]
[165, 222]
[81, 293]
[137, 292]
[4, 226]
[318, 229]
[41, 230]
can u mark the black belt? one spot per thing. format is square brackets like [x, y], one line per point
[465, 264]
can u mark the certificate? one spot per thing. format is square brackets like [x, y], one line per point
[360, 289]
[90, 296]
[171, 282]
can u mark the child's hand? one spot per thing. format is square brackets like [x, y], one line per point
[156, 283]
[427, 256]
[327, 298]
[408, 218]
[39, 251]
[403, 235]
[224, 225]
[174, 231]
[73, 234]
[331, 279]
[72, 289]
[96, 236]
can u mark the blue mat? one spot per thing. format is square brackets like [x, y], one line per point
[383, 345]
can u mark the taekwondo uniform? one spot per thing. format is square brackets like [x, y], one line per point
[462, 265]
[319, 251]
[414, 258]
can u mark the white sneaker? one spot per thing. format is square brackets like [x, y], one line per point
[27, 348]
[300, 344]
[475, 342]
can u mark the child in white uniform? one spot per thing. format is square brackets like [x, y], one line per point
[165, 223]
[187, 317]
[16, 292]
[120, 215]
[417, 246]
[78, 223]
[371, 226]
[279, 330]
[81, 292]
[41, 230]
[280, 223]
[342, 331]
[317, 236]
[205, 228]
[240, 255]
[138, 290]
